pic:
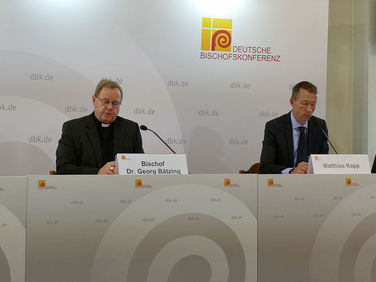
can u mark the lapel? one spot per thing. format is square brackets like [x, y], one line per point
[92, 132]
[310, 137]
[289, 139]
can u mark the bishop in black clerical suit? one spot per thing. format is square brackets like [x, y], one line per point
[88, 144]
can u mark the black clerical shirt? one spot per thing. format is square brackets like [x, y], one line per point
[106, 134]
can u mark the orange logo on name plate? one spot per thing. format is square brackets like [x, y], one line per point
[123, 157]
[348, 181]
[216, 34]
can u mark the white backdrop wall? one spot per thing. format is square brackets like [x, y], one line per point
[53, 52]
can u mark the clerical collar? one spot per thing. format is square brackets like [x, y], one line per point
[102, 124]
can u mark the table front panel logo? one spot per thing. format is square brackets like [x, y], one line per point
[138, 184]
[227, 183]
[42, 185]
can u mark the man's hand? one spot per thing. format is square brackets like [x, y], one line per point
[300, 169]
[108, 168]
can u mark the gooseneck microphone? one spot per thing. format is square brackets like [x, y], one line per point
[327, 137]
[144, 127]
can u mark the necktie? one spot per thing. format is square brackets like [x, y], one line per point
[302, 146]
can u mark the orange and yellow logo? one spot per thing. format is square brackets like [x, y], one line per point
[123, 157]
[216, 34]
[348, 181]
[227, 183]
[138, 183]
[272, 183]
[41, 184]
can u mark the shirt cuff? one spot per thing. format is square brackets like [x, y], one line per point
[286, 170]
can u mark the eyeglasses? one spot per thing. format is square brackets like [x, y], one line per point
[306, 104]
[106, 103]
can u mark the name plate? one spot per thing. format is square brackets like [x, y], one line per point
[151, 164]
[338, 164]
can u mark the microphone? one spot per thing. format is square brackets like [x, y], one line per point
[326, 136]
[144, 127]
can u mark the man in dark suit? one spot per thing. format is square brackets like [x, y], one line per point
[291, 138]
[88, 144]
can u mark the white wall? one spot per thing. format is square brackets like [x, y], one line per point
[351, 99]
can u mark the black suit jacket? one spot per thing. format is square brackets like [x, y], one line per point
[79, 150]
[278, 145]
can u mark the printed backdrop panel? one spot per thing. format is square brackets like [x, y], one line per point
[322, 231]
[205, 77]
[12, 228]
[151, 228]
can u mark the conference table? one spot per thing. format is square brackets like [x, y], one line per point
[212, 227]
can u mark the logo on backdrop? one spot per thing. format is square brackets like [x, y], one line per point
[217, 44]
[216, 34]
